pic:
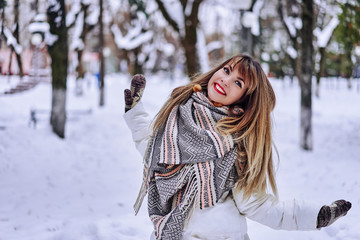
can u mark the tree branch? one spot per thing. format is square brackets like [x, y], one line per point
[167, 16]
[280, 12]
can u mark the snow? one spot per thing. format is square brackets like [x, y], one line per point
[76, 42]
[357, 50]
[323, 36]
[291, 51]
[202, 51]
[41, 17]
[214, 45]
[71, 15]
[39, 27]
[93, 17]
[133, 39]
[50, 38]
[293, 24]
[251, 20]
[83, 187]
[11, 41]
[244, 4]
[174, 9]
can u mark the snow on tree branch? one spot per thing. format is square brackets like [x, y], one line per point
[291, 52]
[323, 36]
[50, 39]
[11, 41]
[71, 15]
[202, 50]
[54, 9]
[76, 42]
[293, 24]
[188, 7]
[133, 39]
[214, 45]
[172, 12]
[93, 17]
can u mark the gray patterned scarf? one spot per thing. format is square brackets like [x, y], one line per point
[187, 164]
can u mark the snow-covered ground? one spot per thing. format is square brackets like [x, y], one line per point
[83, 187]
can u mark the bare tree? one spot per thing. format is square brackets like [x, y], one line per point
[16, 35]
[2, 8]
[101, 56]
[83, 26]
[12, 36]
[301, 40]
[58, 50]
[187, 33]
[307, 50]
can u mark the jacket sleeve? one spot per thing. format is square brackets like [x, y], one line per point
[139, 123]
[285, 215]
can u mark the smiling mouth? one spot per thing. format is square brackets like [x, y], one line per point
[219, 89]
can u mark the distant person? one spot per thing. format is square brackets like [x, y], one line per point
[209, 158]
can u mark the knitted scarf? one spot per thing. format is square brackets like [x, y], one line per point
[187, 164]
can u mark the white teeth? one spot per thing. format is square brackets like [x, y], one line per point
[219, 89]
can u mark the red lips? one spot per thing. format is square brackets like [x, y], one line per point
[218, 88]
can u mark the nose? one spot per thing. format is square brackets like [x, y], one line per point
[225, 82]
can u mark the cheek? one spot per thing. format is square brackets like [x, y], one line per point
[238, 95]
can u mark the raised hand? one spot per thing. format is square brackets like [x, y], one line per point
[329, 214]
[133, 95]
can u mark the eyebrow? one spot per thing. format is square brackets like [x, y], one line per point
[241, 79]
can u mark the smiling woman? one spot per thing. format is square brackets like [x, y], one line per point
[226, 86]
[208, 161]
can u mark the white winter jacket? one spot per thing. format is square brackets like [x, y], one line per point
[227, 220]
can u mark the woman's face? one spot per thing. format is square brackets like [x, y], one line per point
[226, 86]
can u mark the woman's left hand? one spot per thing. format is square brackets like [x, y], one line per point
[329, 214]
[133, 95]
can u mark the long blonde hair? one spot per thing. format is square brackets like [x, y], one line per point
[251, 130]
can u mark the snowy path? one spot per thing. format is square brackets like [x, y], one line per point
[83, 187]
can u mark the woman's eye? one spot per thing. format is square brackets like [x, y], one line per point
[238, 83]
[227, 71]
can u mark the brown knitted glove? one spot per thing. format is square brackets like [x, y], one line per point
[134, 94]
[329, 214]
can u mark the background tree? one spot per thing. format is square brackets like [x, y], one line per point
[299, 25]
[131, 33]
[17, 36]
[101, 56]
[2, 9]
[250, 27]
[348, 35]
[58, 50]
[12, 36]
[186, 27]
[305, 79]
[327, 21]
[83, 13]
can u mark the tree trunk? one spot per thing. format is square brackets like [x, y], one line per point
[58, 111]
[189, 44]
[189, 38]
[138, 69]
[80, 74]
[59, 62]
[2, 25]
[307, 72]
[322, 52]
[101, 57]
[16, 35]
[80, 68]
